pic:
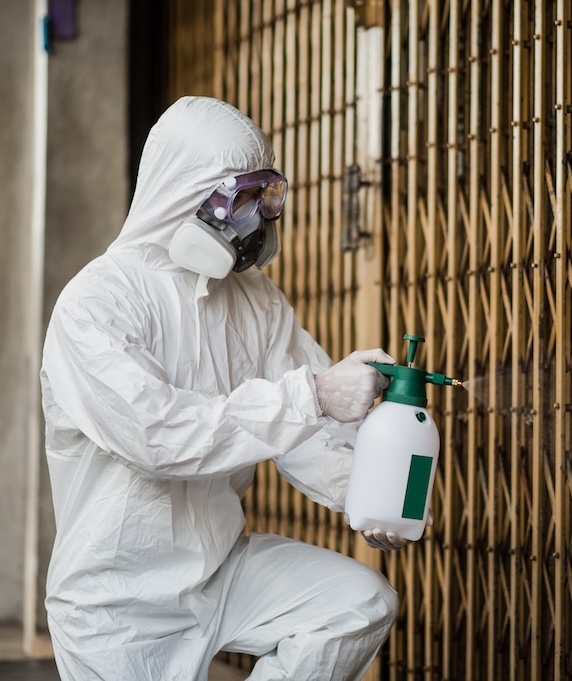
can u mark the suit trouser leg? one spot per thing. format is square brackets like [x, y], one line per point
[308, 613]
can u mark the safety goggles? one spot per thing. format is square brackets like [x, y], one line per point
[238, 198]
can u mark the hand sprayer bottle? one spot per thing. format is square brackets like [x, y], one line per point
[396, 454]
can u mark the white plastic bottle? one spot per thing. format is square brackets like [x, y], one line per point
[396, 454]
[395, 460]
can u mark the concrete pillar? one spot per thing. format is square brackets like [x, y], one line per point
[16, 147]
[86, 201]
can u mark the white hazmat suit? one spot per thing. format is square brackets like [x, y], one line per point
[162, 390]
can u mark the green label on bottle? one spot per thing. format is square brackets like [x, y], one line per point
[417, 486]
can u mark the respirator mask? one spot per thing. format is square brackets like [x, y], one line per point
[235, 227]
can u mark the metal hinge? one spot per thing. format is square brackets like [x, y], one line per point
[352, 233]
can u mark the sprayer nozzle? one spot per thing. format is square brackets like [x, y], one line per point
[441, 379]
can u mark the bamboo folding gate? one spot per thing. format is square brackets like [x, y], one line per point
[428, 146]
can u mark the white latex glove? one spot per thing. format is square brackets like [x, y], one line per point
[388, 541]
[346, 391]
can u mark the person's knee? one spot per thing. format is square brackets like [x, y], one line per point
[390, 604]
[378, 598]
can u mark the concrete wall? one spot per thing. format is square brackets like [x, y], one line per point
[86, 202]
[87, 188]
[16, 70]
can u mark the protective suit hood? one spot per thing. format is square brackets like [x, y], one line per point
[196, 144]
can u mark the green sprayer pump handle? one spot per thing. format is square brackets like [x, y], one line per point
[408, 384]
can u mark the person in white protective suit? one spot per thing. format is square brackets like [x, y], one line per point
[172, 366]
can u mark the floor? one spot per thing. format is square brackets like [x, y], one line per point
[45, 670]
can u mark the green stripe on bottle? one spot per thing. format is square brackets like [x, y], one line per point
[417, 486]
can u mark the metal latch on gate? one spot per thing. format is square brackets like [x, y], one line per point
[352, 233]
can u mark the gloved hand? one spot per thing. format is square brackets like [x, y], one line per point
[346, 391]
[388, 541]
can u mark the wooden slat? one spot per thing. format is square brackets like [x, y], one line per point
[307, 263]
[325, 171]
[432, 246]
[219, 25]
[398, 649]
[451, 321]
[337, 175]
[563, 393]
[475, 324]
[516, 601]
[538, 227]
[363, 149]
[414, 584]
[396, 252]
[243, 83]
[349, 310]
[495, 229]
[563, 220]
[313, 162]
[278, 267]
